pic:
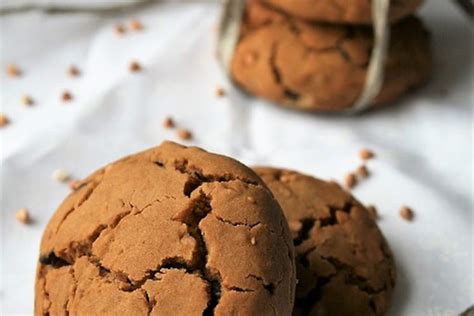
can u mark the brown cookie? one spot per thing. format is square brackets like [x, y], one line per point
[344, 265]
[169, 231]
[342, 11]
[317, 67]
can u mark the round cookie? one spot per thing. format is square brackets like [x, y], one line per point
[342, 11]
[344, 265]
[318, 67]
[169, 231]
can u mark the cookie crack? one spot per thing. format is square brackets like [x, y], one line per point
[277, 75]
[198, 211]
[338, 47]
[350, 276]
[236, 224]
[268, 286]
[308, 223]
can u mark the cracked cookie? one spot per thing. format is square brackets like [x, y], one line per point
[169, 231]
[342, 11]
[344, 265]
[319, 67]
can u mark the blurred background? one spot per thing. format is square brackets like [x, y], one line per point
[137, 63]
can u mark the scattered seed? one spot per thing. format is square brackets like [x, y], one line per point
[13, 70]
[366, 154]
[168, 122]
[342, 217]
[61, 175]
[73, 71]
[253, 241]
[362, 171]
[120, 29]
[134, 66]
[220, 92]
[373, 212]
[406, 213]
[136, 25]
[350, 180]
[66, 96]
[26, 100]
[4, 121]
[23, 216]
[184, 134]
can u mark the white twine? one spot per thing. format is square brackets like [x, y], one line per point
[229, 33]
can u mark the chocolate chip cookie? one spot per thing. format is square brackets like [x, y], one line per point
[320, 67]
[344, 264]
[342, 11]
[169, 231]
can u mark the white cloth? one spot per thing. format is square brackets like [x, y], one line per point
[423, 143]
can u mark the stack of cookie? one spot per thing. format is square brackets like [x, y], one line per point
[314, 55]
[180, 231]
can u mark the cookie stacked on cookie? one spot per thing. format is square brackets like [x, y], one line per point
[290, 54]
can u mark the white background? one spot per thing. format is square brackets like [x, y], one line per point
[423, 143]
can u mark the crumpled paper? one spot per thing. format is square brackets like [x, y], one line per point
[423, 143]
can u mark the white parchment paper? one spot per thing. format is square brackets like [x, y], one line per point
[423, 143]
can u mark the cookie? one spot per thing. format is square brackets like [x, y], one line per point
[169, 231]
[318, 67]
[342, 11]
[344, 265]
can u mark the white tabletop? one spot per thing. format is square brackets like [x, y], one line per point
[423, 143]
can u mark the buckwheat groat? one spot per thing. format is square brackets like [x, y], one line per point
[169, 231]
[342, 11]
[320, 67]
[344, 265]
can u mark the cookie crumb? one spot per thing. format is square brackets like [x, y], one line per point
[22, 216]
[184, 134]
[61, 175]
[366, 154]
[120, 29]
[169, 122]
[362, 171]
[342, 217]
[134, 66]
[13, 70]
[66, 96]
[220, 92]
[253, 241]
[73, 71]
[373, 213]
[136, 25]
[295, 226]
[406, 213]
[74, 184]
[4, 121]
[251, 199]
[26, 100]
[350, 180]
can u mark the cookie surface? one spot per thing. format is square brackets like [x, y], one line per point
[344, 265]
[342, 11]
[169, 231]
[317, 67]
